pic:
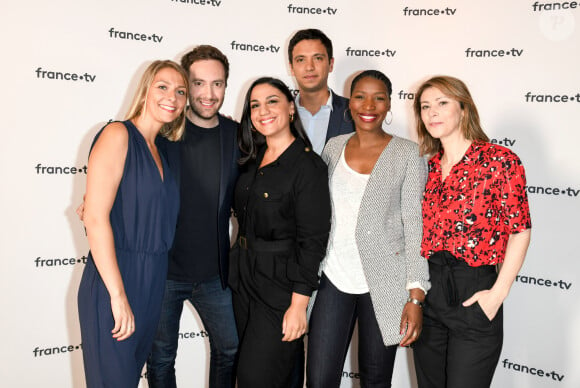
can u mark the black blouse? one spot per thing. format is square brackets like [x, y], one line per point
[287, 199]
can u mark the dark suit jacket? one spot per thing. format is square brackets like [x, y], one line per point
[229, 153]
[339, 123]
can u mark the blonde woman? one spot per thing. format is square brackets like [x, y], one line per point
[130, 213]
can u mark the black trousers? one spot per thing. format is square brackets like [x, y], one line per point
[261, 296]
[459, 346]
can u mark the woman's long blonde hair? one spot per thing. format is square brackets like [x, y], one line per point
[173, 130]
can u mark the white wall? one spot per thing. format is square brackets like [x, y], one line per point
[50, 123]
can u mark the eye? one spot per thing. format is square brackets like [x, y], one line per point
[358, 96]
[319, 58]
[162, 87]
[254, 106]
[298, 60]
[424, 107]
[381, 98]
[196, 83]
[181, 92]
[272, 101]
[219, 84]
[443, 103]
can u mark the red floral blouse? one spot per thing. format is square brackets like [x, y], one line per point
[479, 205]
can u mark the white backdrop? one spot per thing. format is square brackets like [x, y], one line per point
[528, 96]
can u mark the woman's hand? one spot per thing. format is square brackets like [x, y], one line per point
[81, 209]
[123, 316]
[412, 318]
[411, 323]
[294, 323]
[488, 300]
[105, 170]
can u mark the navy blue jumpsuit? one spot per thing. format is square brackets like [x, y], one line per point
[143, 218]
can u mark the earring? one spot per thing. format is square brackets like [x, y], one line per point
[291, 117]
[391, 120]
[346, 116]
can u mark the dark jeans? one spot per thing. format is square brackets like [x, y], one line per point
[459, 346]
[214, 306]
[331, 325]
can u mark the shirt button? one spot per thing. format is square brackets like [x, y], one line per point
[265, 195]
[247, 188]
[261, 172]
[307, 149]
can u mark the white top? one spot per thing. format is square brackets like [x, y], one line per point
[343, 265]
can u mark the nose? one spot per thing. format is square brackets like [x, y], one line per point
[263, 109]
[309, 63]
[369, 103]
[210, 91]
[172, 95]
[204, 90]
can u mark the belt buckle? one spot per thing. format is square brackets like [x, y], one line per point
[243, 242]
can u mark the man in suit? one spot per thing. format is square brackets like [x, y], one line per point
[324, 114]
[205, 165]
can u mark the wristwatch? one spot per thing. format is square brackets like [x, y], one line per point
[415, 301]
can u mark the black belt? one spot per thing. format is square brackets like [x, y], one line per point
[261, 245]
[449, 263]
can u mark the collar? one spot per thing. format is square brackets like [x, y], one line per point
[288, 157]
[328, 102]
[473, 152]
[188, 120]
[469, 158]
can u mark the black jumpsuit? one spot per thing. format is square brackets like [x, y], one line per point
[283, 212]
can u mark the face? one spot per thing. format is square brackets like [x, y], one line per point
[207, 90]
[310, 65]
[440, 114]
[270, 111]
[167, 96]
[369, 104]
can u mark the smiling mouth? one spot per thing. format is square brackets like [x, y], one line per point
[267, 121]
[167, 108]
[367, 118]
[209, 104]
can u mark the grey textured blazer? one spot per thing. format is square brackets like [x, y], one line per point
[389, 228]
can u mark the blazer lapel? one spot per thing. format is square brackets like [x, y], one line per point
[335, 156]
[225, 160]
[382, 172]
[336, 117]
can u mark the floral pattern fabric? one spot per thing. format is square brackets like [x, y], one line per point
[477, 207]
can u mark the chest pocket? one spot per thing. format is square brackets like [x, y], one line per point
[269, 196]
[271, 213]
